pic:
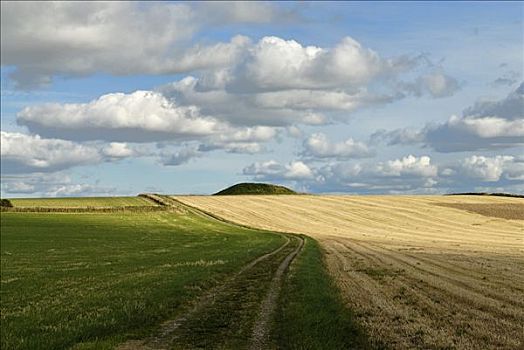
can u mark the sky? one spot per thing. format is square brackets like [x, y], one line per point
[120, 98]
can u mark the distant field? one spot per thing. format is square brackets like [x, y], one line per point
[437, 272]
[71, 202]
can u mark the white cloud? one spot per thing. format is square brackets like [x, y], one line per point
[409, 174]
[486, 125]
[440, 85]
[239, 108]
[311, 99]
[272, 170]
[436, 84]
[25, 153]
[318, 146]
[280, 82]
[180, 156]
[276, 64]
[257, 133]
[241, 140]
[46, 39]
[21, 153]
[408, 166]
[43, 39]
[216, 56]
[141, 116]
[297, 170]
[510, 108]
[138, 116]
[272, 83]
[51, 185]
[485, 168]
[118, 150]
[514, 170]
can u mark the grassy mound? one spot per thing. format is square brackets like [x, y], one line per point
[254, 188]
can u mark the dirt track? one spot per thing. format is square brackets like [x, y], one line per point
[261, 329]
[420, 271]
[167, 335]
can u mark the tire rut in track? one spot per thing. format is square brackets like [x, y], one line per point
[167, 334]
[260, 337]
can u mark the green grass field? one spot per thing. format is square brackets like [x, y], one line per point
[310, 301]
[74, 278]
[72, 202]
[94, 281]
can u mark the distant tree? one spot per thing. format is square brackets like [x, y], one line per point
[6, 203]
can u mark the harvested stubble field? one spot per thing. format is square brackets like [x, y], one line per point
[431, 272]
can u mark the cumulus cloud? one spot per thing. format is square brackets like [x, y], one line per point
[319, 146]
[242, 108]
[408, 166]
[272, 170]
[118, 150]
[242, 140]
[21, 153]
[276, 64]
[24, 153]
[139, 116]
[436, 84]
[483, 126]
[281, 82]
[273, 83]
[180, 156]
[46, 39]
[500, 173]
[487, 169]
[51, 185]
[510, 108]
[491, 168]
[408, 173]
[488, 127]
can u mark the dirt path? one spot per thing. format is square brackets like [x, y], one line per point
[167, 334]
[260, 337]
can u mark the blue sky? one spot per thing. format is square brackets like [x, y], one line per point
[340, 97]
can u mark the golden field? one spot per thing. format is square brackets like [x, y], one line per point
[426, 272]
